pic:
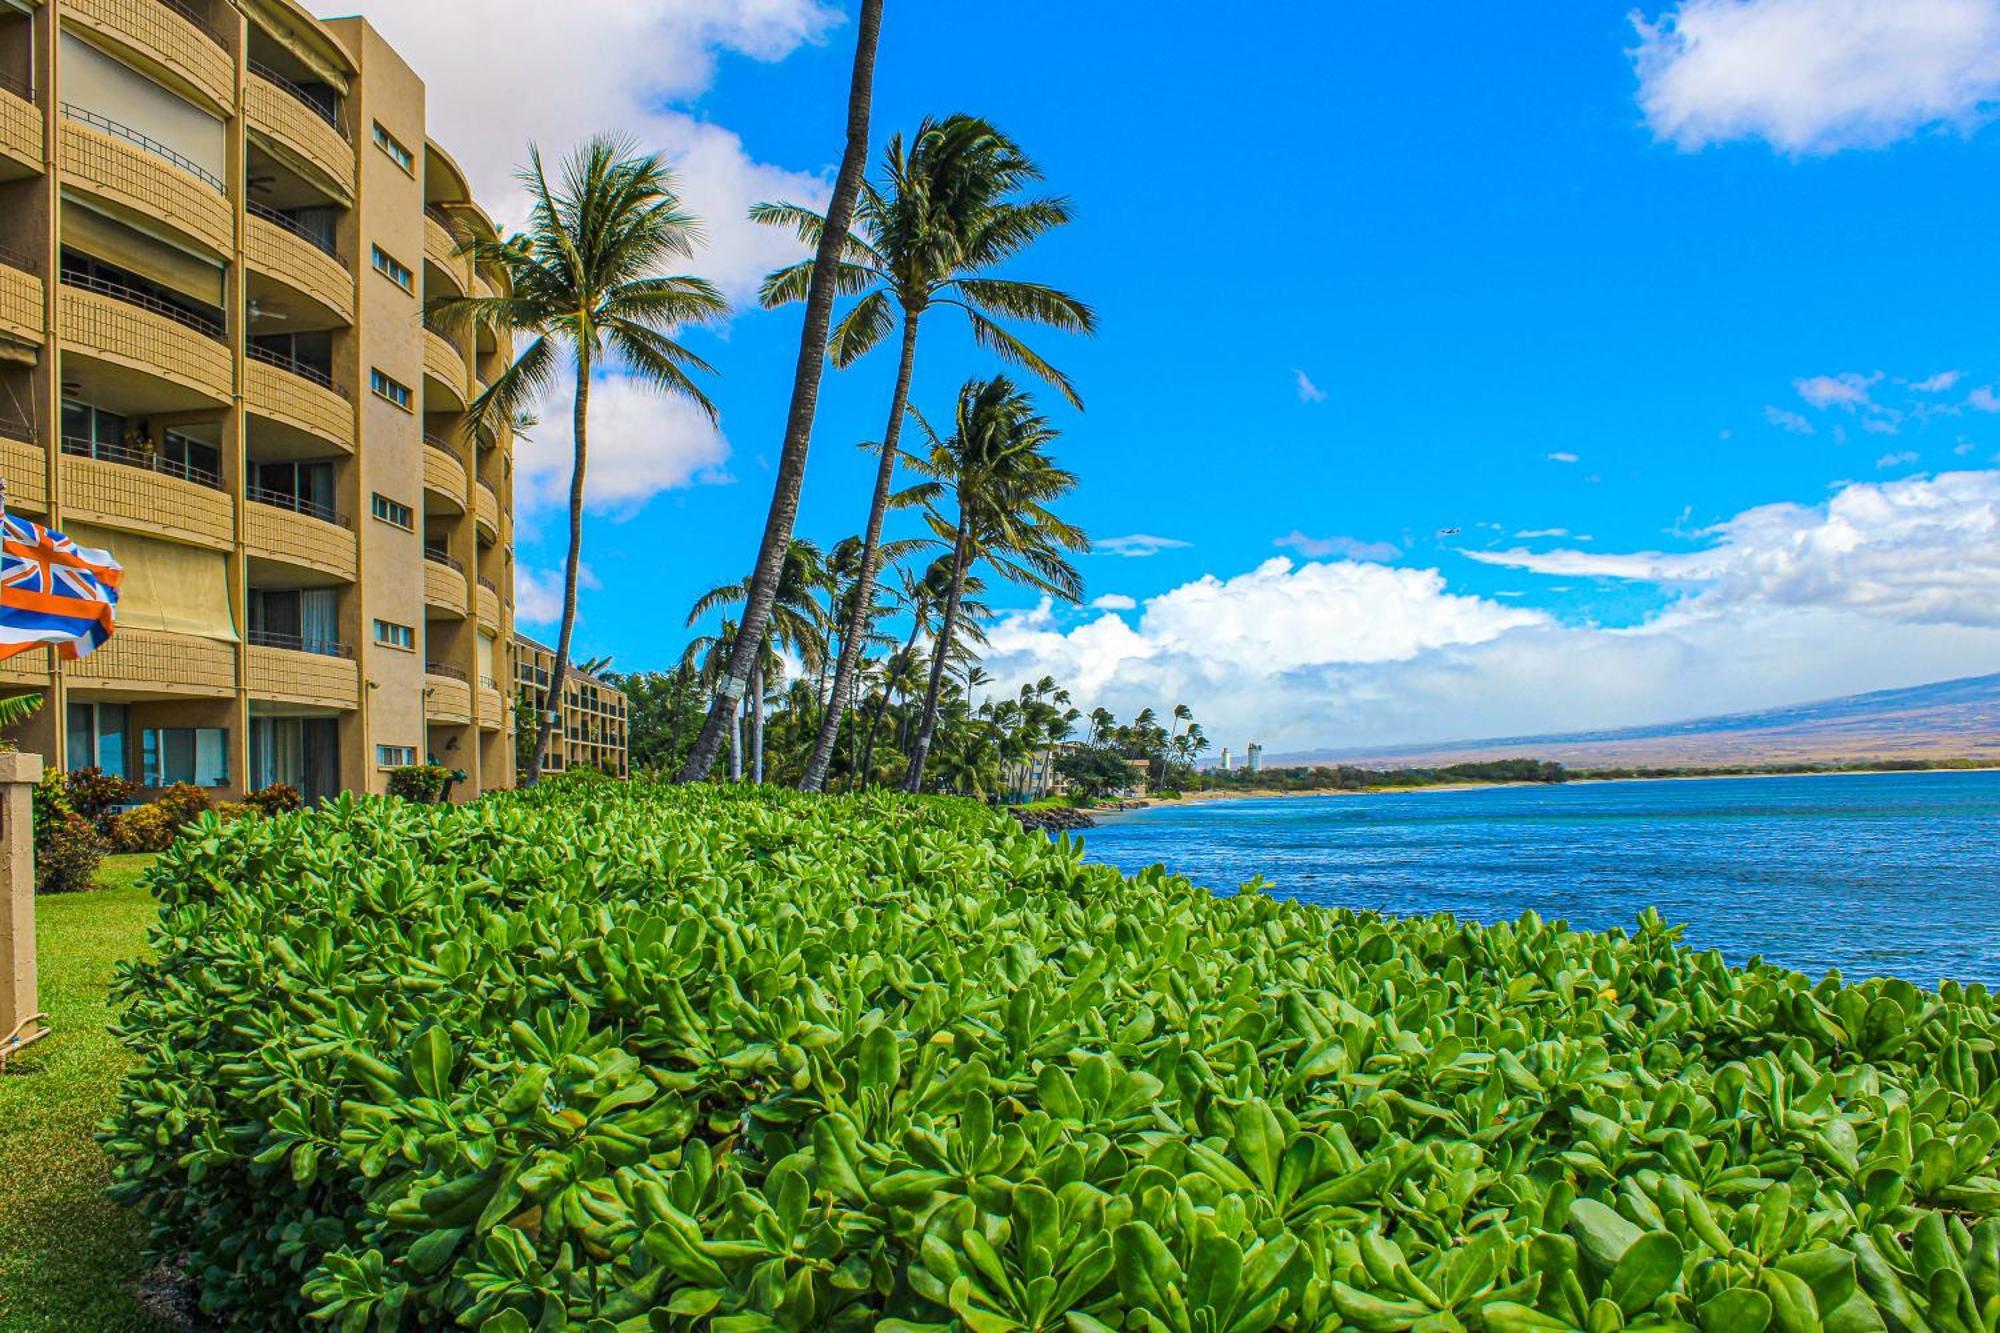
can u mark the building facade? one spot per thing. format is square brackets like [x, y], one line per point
[219, 223]
[594, 722]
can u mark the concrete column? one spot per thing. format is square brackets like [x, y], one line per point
[18, 997]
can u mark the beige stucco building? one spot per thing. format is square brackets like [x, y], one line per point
[219, 223]
[594, 723]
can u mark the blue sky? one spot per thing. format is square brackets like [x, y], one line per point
[1597, 290]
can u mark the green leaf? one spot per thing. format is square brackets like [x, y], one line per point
[1650, 1268]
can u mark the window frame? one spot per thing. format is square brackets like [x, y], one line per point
[395, 513]
[401, 637]
[392, 268]
[395, 150]
[403, 398]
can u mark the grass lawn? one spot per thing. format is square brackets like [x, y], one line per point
[68, 1258]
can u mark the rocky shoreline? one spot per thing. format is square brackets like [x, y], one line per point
[1058, 819]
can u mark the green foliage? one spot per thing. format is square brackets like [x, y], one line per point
[636, 1057]
[183, 803]
[18, 708]
[95, 794]
[68, 847]
[277, 799]
[146, 829]
[423, 783]
[1095, 770]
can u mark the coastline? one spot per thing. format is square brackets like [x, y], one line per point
[1138, 804]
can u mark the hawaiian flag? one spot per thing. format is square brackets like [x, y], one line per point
[54, 591]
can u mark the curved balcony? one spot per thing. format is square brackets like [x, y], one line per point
[276, 248]
[167, 42]
[23, 464]
[282, 391]
[124, 488]
[152, 662]
[147, 180]
[298, 533]
[299, 131]
[444, 585]
[444, 473]
[112, 324]
[290, 670]
[450, 696]
[441, 249]
[488, 602]
[492, 708]
[20, 126]
[444, 375]
[486, 510]
[21, 313]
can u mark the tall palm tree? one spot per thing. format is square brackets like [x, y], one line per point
[996, 466]
[806, 375]
[585, 279]
[945, 213]
[922, 595]
[798, 622]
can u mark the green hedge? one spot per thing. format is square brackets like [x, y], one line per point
[642, 1058]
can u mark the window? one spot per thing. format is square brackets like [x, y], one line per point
[390, 511]
[97, 736]
[391, 145]
[184, 754]
[391, 635]
[395, 756]
[388, 389]
[307, 354]
[394, 269]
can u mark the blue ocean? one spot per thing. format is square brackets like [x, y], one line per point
[1872, 874]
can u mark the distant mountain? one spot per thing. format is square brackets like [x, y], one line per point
[1949, 720]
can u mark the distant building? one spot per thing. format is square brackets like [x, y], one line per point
[593, 733]
[1225, 759]
[1254, 760]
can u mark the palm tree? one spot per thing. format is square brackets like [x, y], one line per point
[585, 278]
[922, 594]
[996, 466]
[944, 214]
[798, 622]
[806, 375]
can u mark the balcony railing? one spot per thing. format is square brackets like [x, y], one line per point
[286, 222]
[21, 88]
[15, 426]
[489, 488]
[292, 365]
[206, 28]
[310, 508]
[19, 259]
[489, 585]
[142, 459]
[118, 291]
[488, 683]
[448, 672]
[263, 638]
[146, 142]
[443, 446]
[299, 95]
[444, 558]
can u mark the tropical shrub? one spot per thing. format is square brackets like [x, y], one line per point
[95, 794]
[183, 803]
[68, 847]
[277, 799]
[144, 829]
[639, 1058]
[423, 783]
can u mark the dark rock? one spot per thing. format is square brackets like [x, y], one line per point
[1057, 820]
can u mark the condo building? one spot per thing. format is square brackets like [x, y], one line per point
[593, 722]
[219, 223]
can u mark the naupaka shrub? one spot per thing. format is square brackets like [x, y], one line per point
[635, 1058]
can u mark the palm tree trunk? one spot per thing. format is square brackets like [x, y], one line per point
[811, 368]
[861, 617]
[913, 781]
[552, 706]
[736, 743]
[757, 721]
[867, 766]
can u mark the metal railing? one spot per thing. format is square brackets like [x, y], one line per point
[15, 426]
[489, 585]
[21, 88]
[19, 259]
[443, 446]
[118, 291]
[299, 95]
[141, 140]
[208, 29]
[143, 459]
[292, 365]
[263, 638]
[286, 222]
[448, 672]
[488, 683]
[310, 508]
[445, 558]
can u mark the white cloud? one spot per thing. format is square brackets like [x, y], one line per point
[1138, 545]
[1114, 601]
[1817, 76]
[538, 593]
[1530, 534]
[641, 443]
[1785, 420]
[611, 65]
[1563, 458]
[1984, 399]
[1847, 390]
[1938, 383]
[1350, 548]
[1903, 459]
[1963, 448]
[1308, 391]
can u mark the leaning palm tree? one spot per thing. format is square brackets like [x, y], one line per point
[946, 212]
[798, 622]
[585, 280]
[921, 595]
[996, 467]
[806, 375]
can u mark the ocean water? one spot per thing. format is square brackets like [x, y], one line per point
[1874, 874]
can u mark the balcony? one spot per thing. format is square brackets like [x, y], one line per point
[298, 533]
[444, 473]
[20, 128]
[486, 511]
[130, 329]
[310, 404]
[152, 663]
[444, 584]
[287, 669]
[441, 249]
[143, 492]
[492, 708]
[22, 462]
[279, 249]
[300, 131]
[450, 694]
[489, 604]
[445, 369]
[168, 42]
[145, 179]
[21, 314]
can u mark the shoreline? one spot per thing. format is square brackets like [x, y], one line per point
[1143, 803]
